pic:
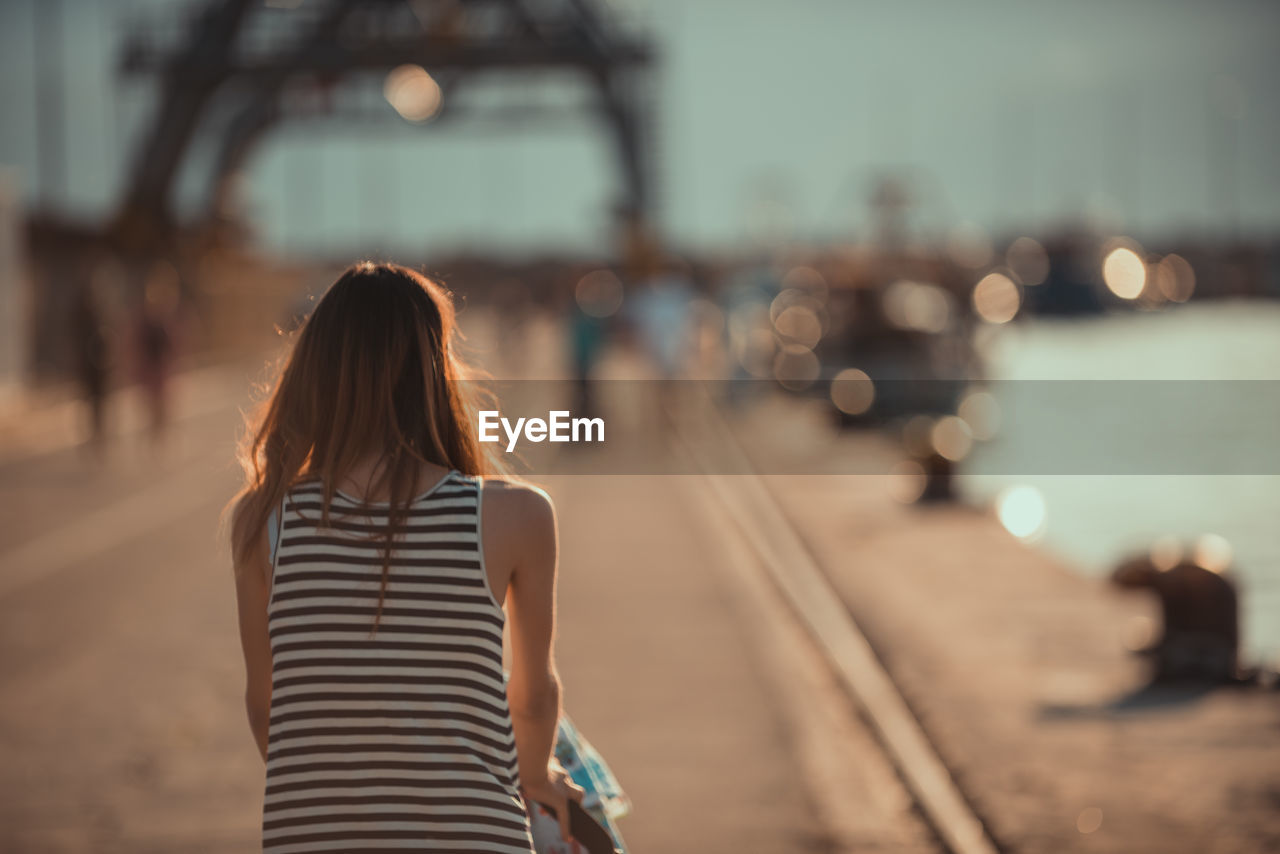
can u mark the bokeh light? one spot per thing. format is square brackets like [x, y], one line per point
[1212, 552]
[981, 412]
[917, 306]
[796, 367]
[599, 293]
[799, 323]
[951, 438]
[754, 346]
[907, 481]
[413, 92]
[996, 298]
[798, 297]
[1022, 511]
[1028, 260]
[852, 391]
[806, 279]
[1089, 820]
[1124, 272]
[1175, 278]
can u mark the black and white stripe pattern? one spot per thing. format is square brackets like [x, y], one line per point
[399, 739]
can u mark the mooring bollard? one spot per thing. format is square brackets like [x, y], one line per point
[1199, 607]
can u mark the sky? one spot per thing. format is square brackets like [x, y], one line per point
[1159, 118]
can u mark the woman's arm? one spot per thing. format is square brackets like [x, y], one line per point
[252, 591]
[533, 690]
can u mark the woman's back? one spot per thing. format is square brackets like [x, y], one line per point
[384, 721]
[399, 737]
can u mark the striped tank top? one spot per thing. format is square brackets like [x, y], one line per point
[399, 739]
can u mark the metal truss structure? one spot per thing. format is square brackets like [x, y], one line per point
[238, 69]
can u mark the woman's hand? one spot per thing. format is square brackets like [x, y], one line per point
[555, 790]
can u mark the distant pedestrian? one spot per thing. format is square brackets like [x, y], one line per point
[91, 355]
[659, 310]
[155, 333]
[371, 597]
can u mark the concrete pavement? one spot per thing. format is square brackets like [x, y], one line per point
[120, 677]
[1015, 666]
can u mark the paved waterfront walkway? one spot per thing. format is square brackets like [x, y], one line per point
[1017, 670]
[122, 724]
[123, 730]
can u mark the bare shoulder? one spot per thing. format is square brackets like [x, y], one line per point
[519, 511]
[521, 504]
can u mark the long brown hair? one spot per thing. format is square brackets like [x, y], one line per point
[373, 371]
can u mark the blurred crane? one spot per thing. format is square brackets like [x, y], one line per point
[237, 69]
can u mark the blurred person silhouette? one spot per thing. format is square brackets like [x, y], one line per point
[371, 599]
[586, 340]
[658, 309]
[658, 313]
[748, 330]
[91, 355]
[155, 333]
[593, 306]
